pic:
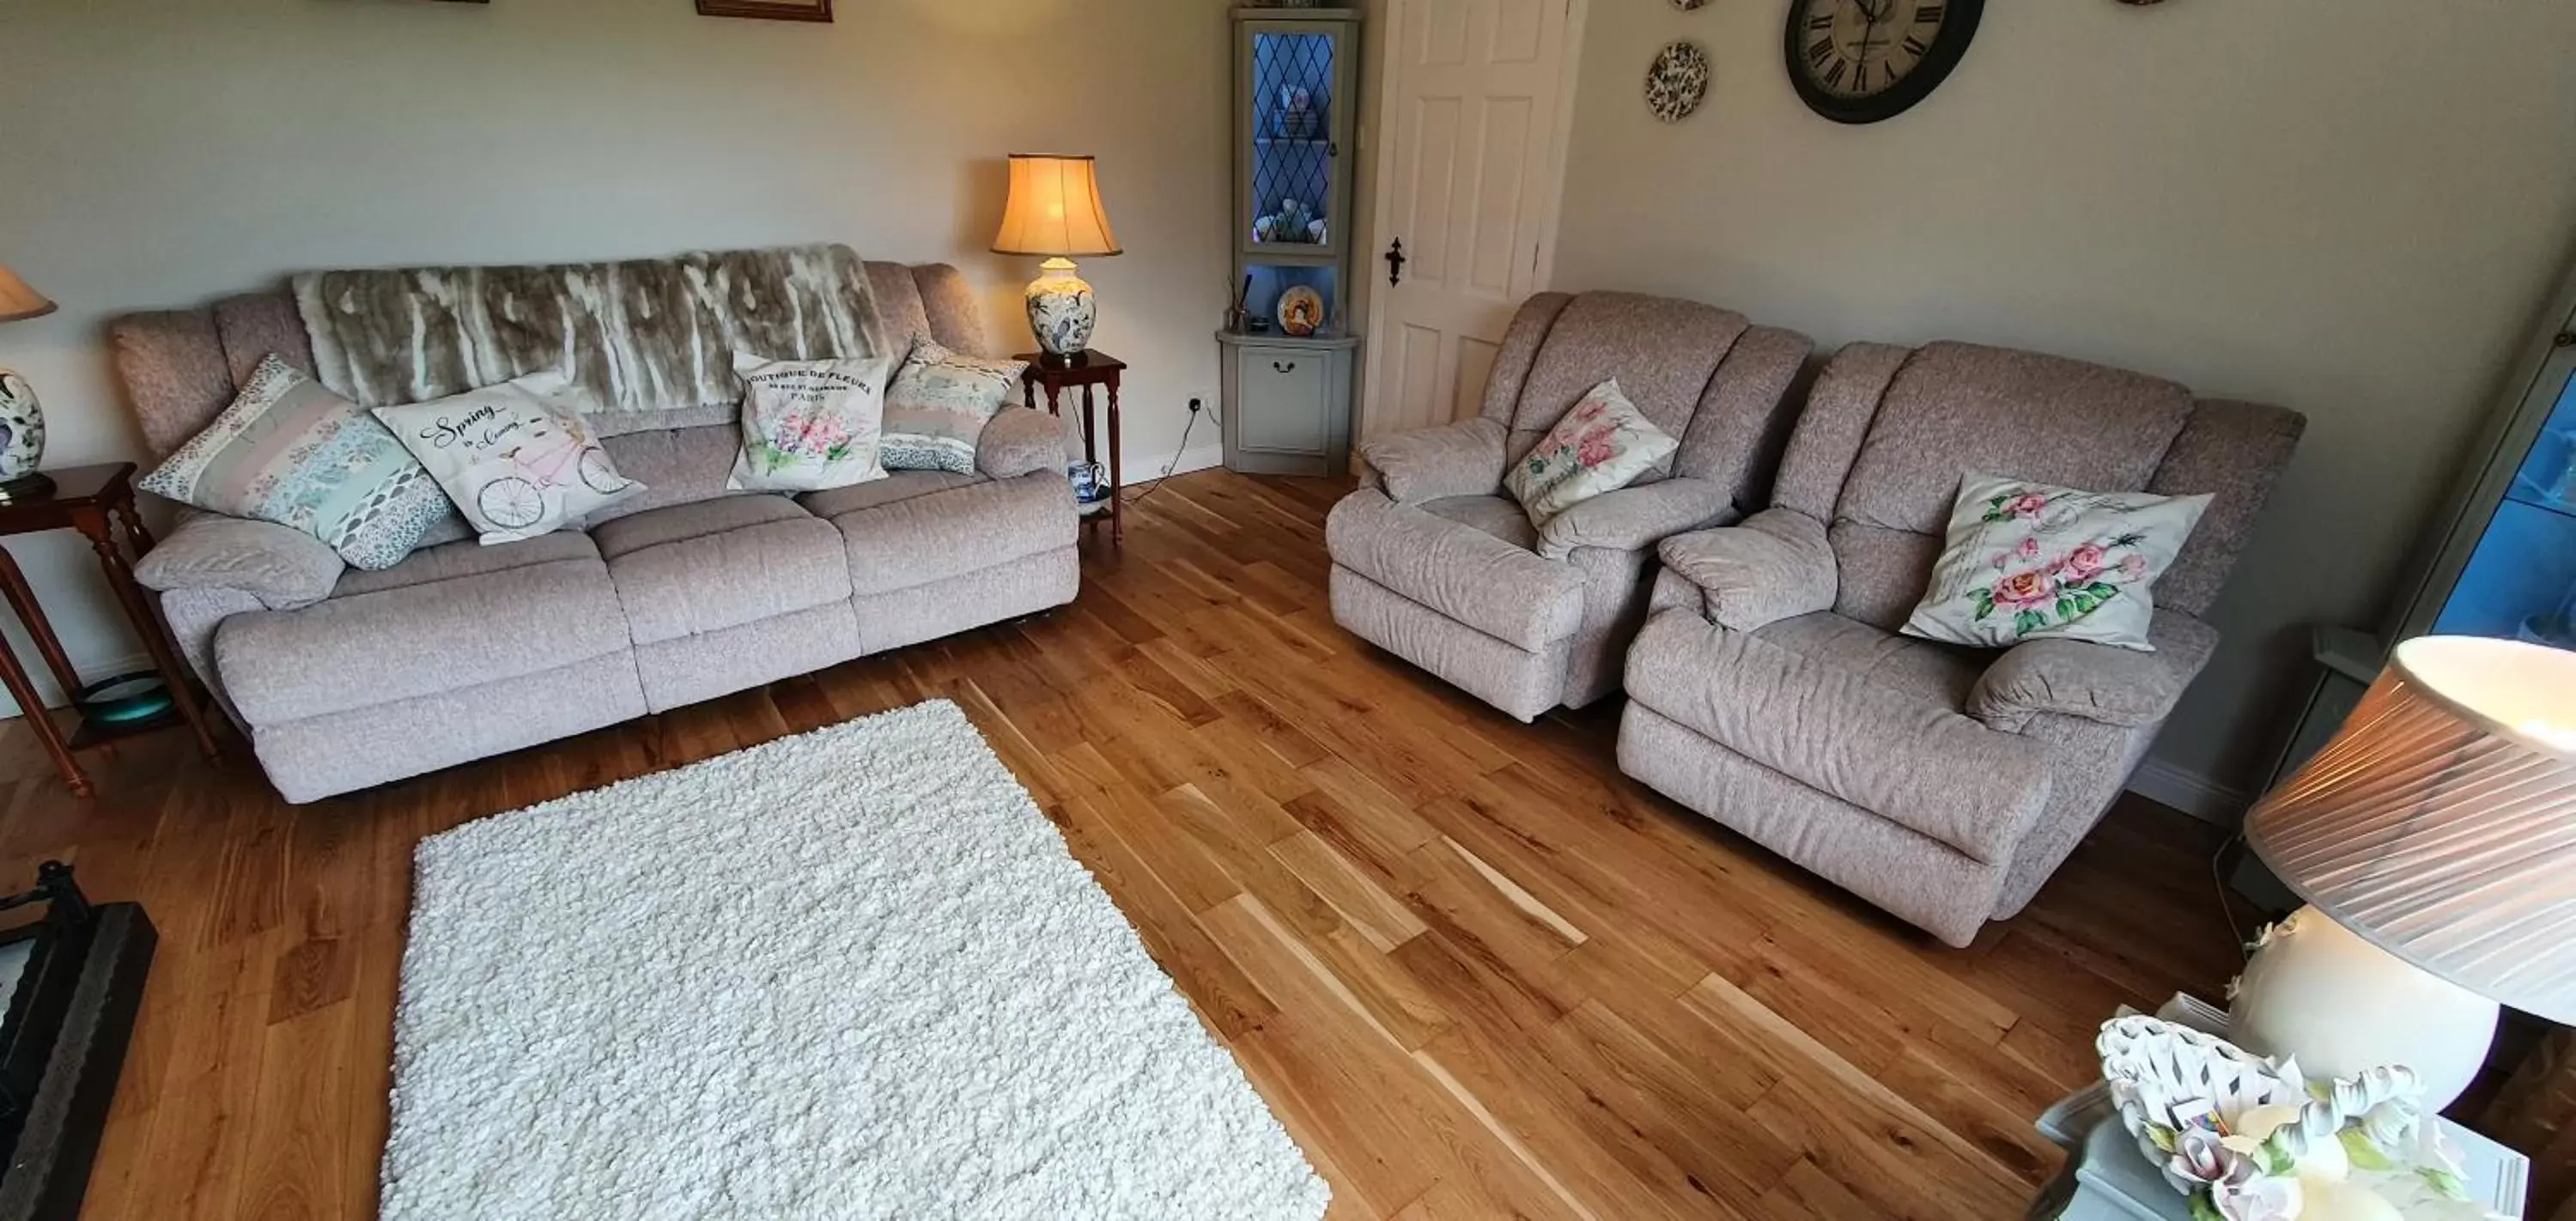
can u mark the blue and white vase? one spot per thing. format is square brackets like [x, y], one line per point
[22, 428]
[1061, 311]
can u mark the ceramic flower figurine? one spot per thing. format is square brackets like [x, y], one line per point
[2247, 1138]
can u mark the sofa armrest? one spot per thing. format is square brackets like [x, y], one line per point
[2095, 682]
[283, 568]
[1460, 459]
[1019, 440]
[1635, 518]
[1774, 565]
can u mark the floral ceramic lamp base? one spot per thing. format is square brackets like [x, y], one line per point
[1061, 312]
[22, 440]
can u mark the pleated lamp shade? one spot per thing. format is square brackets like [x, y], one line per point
[2440, 824]
[1054, 209]
[17, 301]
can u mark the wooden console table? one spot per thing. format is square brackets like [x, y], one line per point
[97, 501]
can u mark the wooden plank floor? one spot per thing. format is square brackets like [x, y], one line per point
[1474, 970]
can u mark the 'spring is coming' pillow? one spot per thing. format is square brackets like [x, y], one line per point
[516, 458]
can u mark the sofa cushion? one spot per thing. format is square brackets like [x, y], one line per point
[1500, 516]
[940, 534]
[1957, 407]
[1499, 588]
[450, 561]
[675, 465]
[1935, 673]
[360, 649]
[1869, 738]
[716, 564]
[897, 485]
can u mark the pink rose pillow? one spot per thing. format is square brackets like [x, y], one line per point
[2029, 561]
[1603, 444]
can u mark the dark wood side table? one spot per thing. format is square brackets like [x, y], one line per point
[1091, 368]
[98, 501]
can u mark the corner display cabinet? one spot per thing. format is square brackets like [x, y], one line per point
[1288, 350]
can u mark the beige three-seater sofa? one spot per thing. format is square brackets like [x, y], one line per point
[342, 679]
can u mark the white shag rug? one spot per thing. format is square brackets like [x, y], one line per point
[853, 973]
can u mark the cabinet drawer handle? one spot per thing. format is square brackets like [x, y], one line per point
[1277, 367]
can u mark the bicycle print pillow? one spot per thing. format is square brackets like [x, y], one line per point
[2030, 561]
[808, 425]
[516, 458]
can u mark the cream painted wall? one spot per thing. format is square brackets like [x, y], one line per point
[161, 152]
[2352, 207]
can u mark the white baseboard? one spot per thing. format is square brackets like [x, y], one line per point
[1195, 458]
[90, 671]
[2190, 792]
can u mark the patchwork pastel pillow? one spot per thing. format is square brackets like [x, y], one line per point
[808, 425]
[516, 458]
[290, 452]
[937, 405]
[1602, 445]
[2029, 561]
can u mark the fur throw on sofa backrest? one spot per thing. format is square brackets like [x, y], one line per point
[653, 338]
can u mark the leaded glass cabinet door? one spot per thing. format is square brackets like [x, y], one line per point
[1294, 110]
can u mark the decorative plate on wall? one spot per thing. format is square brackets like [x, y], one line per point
[1677, 81]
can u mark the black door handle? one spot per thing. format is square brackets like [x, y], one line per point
[1277, 367]
[1395, 262]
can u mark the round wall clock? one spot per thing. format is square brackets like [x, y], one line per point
[1860, 61]
[1676, 81]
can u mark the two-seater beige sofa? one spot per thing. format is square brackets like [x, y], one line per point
[342, 679]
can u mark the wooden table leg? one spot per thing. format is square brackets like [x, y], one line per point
[22, 600]
[132, 519]
[1088, 452]
[31, 705]
[1117, 479]
[42, 721]
[96, 527]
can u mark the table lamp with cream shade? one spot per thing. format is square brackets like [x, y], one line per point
[1055, 211]
[22, 423]
[2434, 840]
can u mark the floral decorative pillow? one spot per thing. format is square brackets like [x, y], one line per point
[290, 452]
[808, 425]
[1603, 444]
[2030, 561]
[937, 405]
[516, 458]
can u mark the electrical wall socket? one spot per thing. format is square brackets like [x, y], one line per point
[1202, 400]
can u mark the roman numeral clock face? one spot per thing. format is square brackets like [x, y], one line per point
[1860, 61]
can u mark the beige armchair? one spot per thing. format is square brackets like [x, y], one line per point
[1433, 562]
[1770, 691]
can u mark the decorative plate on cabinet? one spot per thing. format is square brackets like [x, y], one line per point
[1301, 311]
[1677, 81]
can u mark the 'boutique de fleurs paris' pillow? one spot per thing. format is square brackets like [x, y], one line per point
[808, 425]
[2030, 561]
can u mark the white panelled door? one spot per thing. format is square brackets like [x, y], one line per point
[1471, 164]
